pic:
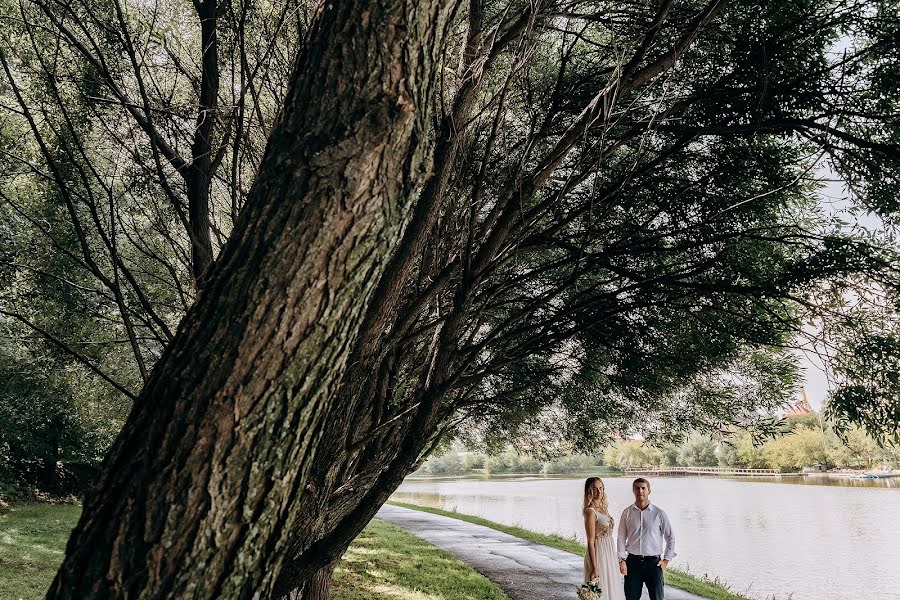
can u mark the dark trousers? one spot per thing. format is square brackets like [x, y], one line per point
[643, 570]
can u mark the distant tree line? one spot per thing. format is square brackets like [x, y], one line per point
[804, 441]
[508, 461]
[803, 446]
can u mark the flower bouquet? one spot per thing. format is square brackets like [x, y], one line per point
[590, 591]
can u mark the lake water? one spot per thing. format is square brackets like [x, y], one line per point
[767, 538]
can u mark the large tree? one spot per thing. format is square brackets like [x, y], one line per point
[620, 236]
[557, 218]
[290, 287]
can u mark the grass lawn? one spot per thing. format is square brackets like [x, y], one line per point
[32, 541]
[701, 586]
[383, 563]
[387, 563]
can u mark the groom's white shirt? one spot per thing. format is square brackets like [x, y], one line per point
[642, 532]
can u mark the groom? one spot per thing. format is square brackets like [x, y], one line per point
[642, 529]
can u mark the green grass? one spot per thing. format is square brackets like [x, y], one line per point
[702, 586]
[387, 563]
[32, 542]
[383, 563]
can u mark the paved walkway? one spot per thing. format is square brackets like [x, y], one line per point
[525, 570]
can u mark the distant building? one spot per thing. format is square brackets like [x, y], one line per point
[800, 408]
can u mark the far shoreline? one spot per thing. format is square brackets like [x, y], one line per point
[479, 474]
[840, 479]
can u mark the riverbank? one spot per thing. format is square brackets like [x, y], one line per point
[765, 537]
[704, 587]
[383, 562]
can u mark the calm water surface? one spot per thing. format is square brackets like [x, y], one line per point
[825, 540]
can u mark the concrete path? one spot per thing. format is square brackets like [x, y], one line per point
[523, 569]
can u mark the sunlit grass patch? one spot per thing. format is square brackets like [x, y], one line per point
[387, 563]
[32, 542]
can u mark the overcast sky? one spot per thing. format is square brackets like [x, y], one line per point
[835, 200]
[816, 384]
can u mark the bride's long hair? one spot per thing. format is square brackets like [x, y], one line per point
[589, 494]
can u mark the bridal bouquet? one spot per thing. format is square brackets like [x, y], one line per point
[590, 591]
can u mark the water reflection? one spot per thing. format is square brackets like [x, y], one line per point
[803, 541]
[825, 479]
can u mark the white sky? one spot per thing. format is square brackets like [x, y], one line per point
[815, 382]
[835, 200]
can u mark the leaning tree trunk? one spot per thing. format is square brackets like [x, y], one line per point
[198, 495]
[318, 587]
[347, 512]
[360, 466]
[334, 508]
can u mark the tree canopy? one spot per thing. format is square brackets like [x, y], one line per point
[559, 219]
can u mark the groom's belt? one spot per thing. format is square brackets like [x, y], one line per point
[641, 557]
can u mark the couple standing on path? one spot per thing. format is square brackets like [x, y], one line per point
[642, 558]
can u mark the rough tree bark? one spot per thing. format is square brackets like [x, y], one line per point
[349, 486]
[197, 498]
[319, 585]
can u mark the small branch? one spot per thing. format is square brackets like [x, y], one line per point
[65, 348]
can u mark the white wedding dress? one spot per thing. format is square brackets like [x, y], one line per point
[610, 580]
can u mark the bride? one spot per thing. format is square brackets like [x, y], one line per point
[600, 562]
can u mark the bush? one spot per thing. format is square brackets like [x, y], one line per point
[698, 451]
[572, 464]
[790, 453]
[669, 456]
[473, 461]
[443, 465]
[631, 454]
[511, 462]
[54, 422]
